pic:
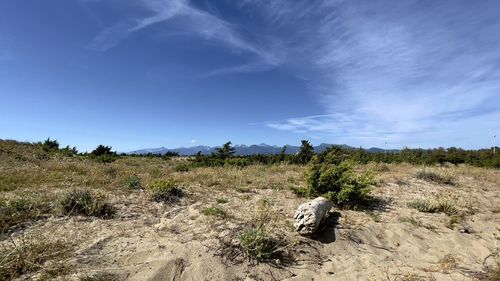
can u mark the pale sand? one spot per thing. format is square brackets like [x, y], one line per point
[151, 241]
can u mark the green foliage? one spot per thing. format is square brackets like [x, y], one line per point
[435, 177]
[428, 206]
[133, 182]
[237, 162]
[257, 244]
[221, 200]
[165, 191]
[102, 150]
[305, 154]
[50, 145]
[330, 176]
[214, 211]
[225, 151]
[183, 167]
[86, 203]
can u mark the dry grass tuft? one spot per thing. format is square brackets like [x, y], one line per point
[29, 254]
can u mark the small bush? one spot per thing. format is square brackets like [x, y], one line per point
[221, 200]
[165, 191]
[86, 203]
[435, 177]
[428, 206]
[182, 168]
[338, 182]
[257, 244]
[133, 182]
[214, 211]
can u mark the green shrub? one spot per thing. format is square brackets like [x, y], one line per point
[221, 200]
[133, 182]
[428, 206]
[435, 177]
[165, 191]
[238, 162]
[86, 203]
[182, 168]
[257, 244]
[337, 181]
[106, 158]
[214, 211]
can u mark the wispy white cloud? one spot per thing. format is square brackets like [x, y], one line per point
[195, 22]
[393, 71]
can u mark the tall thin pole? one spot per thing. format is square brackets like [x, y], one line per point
[494, 144]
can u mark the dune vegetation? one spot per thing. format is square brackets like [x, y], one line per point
[104, 216]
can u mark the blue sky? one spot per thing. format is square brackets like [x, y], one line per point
[150, 73]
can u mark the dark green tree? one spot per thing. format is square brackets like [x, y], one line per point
[225, 151]
[305, 154]
[50, 145]
[102, 150]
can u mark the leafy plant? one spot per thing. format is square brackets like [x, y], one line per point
[337, 181]
[165, 191]
[133, 182]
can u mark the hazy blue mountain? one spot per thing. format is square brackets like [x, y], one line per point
[242, 149]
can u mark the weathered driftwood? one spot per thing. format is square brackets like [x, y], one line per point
[309, 215]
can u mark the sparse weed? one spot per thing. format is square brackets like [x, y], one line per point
[215, 211]
[165, 191]
[221, 200]
[257, 244]
[428, 206]
[86, 203]
[20, 209]
[28, 255]
[418, 223]
[448, 263]
[103, 276]
[133, 182]
[435, 177]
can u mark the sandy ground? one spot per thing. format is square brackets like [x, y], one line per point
[153, 241]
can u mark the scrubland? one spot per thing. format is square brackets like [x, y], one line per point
[144, 218]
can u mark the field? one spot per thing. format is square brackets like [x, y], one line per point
[424, 223]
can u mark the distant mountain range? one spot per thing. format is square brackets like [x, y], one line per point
[242, 149]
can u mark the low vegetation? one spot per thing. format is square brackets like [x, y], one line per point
[85, 203]
[133, 182]
[335, 178]
[17, 210]
[215, 211]
[28, 255]
[259, 245]
[435, 177]
[430, 206]
[165, 191]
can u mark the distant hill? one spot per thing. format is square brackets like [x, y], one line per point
[242, 149]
